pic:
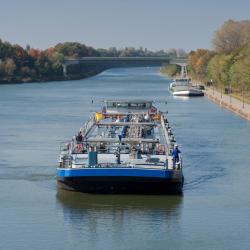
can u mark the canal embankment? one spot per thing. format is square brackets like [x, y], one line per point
[229, 102]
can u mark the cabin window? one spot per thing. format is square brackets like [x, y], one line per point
[122, 105]
[141, 105]
[111, 105]
[128, 105]
[133, 105]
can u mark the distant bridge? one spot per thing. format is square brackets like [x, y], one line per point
[88, 64]
[179, 61]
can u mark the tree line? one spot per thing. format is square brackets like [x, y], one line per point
[25, 65]
[18, 64]
[228, 64]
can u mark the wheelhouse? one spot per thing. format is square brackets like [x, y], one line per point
[127, 106]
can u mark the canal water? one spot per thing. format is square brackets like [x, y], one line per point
[213, 213]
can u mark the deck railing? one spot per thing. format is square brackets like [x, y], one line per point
[167, 134]
[86, 128]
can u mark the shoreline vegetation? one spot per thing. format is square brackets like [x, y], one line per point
[233, 92]
[225, 68]
[171, 70]
[23, 65]
[234, 102]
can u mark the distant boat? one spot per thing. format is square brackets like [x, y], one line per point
[183, 87]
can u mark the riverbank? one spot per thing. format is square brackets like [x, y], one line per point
[227, 101]
[70, 77]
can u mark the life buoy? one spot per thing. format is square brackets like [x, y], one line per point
[152, 110]
[161, 149]
[79, 147]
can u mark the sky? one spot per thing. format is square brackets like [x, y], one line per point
[153, 24]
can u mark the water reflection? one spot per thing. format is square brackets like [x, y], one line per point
[184, 98]
[76, 200]
[94, 213]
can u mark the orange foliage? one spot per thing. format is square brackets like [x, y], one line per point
[50, 51]
[34, 52]
[19, 51]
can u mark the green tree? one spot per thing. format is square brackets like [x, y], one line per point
[219, 68]
[240, 73]
[171, 69]
[9, 66]
[57, 60]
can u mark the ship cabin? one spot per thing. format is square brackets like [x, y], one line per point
[128, 106]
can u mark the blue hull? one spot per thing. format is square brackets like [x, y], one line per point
[120, 180]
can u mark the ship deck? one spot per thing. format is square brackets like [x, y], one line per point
[123, 148]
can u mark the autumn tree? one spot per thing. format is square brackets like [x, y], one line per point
[29, 64]
[34, 52]
[231, 36]
[9, 66]
[198, 62]
[75, 50]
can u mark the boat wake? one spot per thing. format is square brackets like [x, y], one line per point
[202, 176]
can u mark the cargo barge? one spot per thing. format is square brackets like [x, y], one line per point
[127, 147]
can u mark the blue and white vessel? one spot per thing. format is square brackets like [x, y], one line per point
[183, 87]
[127, 147]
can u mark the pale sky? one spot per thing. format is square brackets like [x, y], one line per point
[154, 24]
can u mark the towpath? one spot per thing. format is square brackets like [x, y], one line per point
[229, 102]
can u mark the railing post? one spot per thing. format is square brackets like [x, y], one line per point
[230, 90]
[243, 98]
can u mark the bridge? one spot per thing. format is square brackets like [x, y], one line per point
[181, 62]
[92, 65]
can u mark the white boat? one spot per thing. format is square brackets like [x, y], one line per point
[182, 86]
[187, 91]
[182, 81]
